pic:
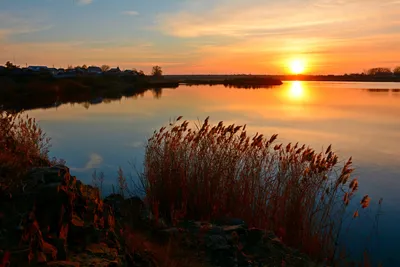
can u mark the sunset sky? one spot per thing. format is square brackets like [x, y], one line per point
[203, 36]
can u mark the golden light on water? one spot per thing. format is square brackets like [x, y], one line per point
[296, 90]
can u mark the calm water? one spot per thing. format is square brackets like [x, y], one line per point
[359, 119]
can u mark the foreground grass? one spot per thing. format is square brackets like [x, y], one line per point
[212, 172]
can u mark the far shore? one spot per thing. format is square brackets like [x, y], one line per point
[325, 78]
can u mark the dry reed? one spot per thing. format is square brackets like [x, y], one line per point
[217, 171]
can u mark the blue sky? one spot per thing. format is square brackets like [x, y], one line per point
[202, 36]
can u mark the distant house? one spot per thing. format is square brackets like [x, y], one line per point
[94, 70]
[37, 68]
[80, 70]
[53, 71]
[130, 72]
[114, 70]
[2, 69]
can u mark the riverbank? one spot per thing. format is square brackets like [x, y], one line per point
[18, 92]
[70, 225]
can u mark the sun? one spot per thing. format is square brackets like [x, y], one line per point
[297, 66]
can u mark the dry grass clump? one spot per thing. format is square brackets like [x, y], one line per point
[23, 145]
[217, 171]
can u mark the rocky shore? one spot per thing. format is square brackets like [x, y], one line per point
[56, 220]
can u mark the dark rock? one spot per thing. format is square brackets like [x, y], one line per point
[229, 221]
[81, 234]
[115, 202]
[254, 236]
[218, 251]
[63, 264]
[239, 229]
[166, 234]
[61, 246]
[46, 175]
[216, 230]
[217, 242]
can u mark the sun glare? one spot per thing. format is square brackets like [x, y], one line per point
[296, 90]
[297, 66]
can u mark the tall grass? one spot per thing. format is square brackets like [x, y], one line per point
[23, 145]
[216, 171]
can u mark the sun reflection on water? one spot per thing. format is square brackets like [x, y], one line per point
[296, 91]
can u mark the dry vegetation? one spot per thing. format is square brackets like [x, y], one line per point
[23, 145]
[216, 171]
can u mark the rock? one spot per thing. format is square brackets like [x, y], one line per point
[46, 175]
[81, 234]
[234, 228]
[61, 245]
[217, 242]
[215, 230]
[218, 251]
[254, 236]
[115, 201]
[229, 221]
[50, 251]
[63, 264]
[97, 255]
[166, 234]
[102, 250]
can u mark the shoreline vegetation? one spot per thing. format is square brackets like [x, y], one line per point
[214, 196]
[42, 90]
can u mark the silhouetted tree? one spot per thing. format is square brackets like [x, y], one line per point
[70, 67]
[396, 71]
[10, 65]
[141, 73]
[156, 71]
[84, 66]
[380, 72]
[105, 68]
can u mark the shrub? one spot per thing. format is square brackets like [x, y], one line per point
[216, 171]
[23, 145]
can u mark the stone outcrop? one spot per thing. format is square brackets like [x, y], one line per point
[58, 221]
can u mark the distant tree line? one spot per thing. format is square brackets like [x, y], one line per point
[383, 71]
[156, 70]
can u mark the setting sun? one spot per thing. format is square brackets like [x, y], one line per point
[297, 66]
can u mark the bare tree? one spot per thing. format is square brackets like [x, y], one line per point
[396, 71]
[379, 71]
[10, 65]
[156, 71]
[105, 68]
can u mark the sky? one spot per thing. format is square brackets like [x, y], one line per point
[203, 36]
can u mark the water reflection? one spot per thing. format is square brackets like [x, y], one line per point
[296, 90]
